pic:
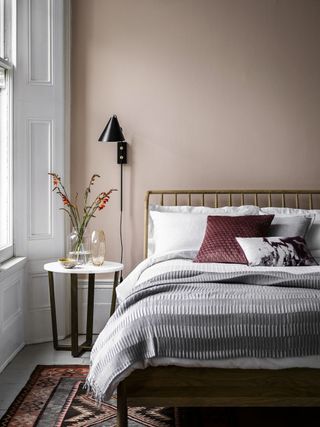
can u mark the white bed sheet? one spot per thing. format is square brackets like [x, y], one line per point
[153, 266]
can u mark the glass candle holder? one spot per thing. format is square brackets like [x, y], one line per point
[98, 247]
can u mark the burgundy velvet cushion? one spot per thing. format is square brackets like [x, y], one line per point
[219, 243]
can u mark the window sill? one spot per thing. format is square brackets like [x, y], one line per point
[11, 266]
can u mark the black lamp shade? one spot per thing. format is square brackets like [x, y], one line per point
[112, 132]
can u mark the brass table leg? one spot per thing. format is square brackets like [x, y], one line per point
[74, 315]
[76, 348]
[90, 307]
[114, 295]
[53, 311]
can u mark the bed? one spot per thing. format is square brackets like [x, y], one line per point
[255, 381]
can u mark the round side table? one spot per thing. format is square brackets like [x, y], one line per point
[91, 270]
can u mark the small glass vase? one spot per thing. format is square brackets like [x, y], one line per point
[79, 247]
[98, 247]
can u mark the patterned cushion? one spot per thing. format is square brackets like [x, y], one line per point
[276, 251]
[219, 243]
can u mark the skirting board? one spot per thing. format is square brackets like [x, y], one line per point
[11, 357]
[44, 339]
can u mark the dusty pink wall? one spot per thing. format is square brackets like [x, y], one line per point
[210, 94]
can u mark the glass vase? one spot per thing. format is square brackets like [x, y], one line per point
[79, 247]
[98, 247]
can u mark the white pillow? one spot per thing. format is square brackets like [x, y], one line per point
[177, 231]
[313, 234]
[174, 228]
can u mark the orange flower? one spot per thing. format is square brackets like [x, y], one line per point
[56, 179]
[65, 200]
[103, 203]
[72, 210]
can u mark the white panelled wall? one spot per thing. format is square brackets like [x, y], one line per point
[12, 281]
[41, 143]
[102, 303]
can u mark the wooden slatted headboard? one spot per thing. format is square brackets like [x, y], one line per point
[305, 199]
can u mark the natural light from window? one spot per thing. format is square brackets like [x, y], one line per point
[6, 231]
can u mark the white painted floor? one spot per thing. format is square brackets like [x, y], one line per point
[17, 373]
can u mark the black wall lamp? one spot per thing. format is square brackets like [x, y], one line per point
[113, 133]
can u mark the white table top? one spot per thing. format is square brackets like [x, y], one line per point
[106, 267]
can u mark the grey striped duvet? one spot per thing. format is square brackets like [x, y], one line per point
[198, 315]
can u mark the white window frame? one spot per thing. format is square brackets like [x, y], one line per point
[7, 21]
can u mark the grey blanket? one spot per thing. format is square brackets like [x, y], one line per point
[208, 316]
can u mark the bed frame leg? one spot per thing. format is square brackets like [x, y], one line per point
[122, 407]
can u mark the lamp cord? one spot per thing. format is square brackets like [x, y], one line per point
[121, 245]
[121, 234]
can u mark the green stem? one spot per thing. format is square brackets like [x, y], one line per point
[71, 211]
[70, 216]
[80, 235]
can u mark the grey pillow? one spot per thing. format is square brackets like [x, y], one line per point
[289, 225]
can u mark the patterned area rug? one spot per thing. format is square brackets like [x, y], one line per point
[54, 397]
